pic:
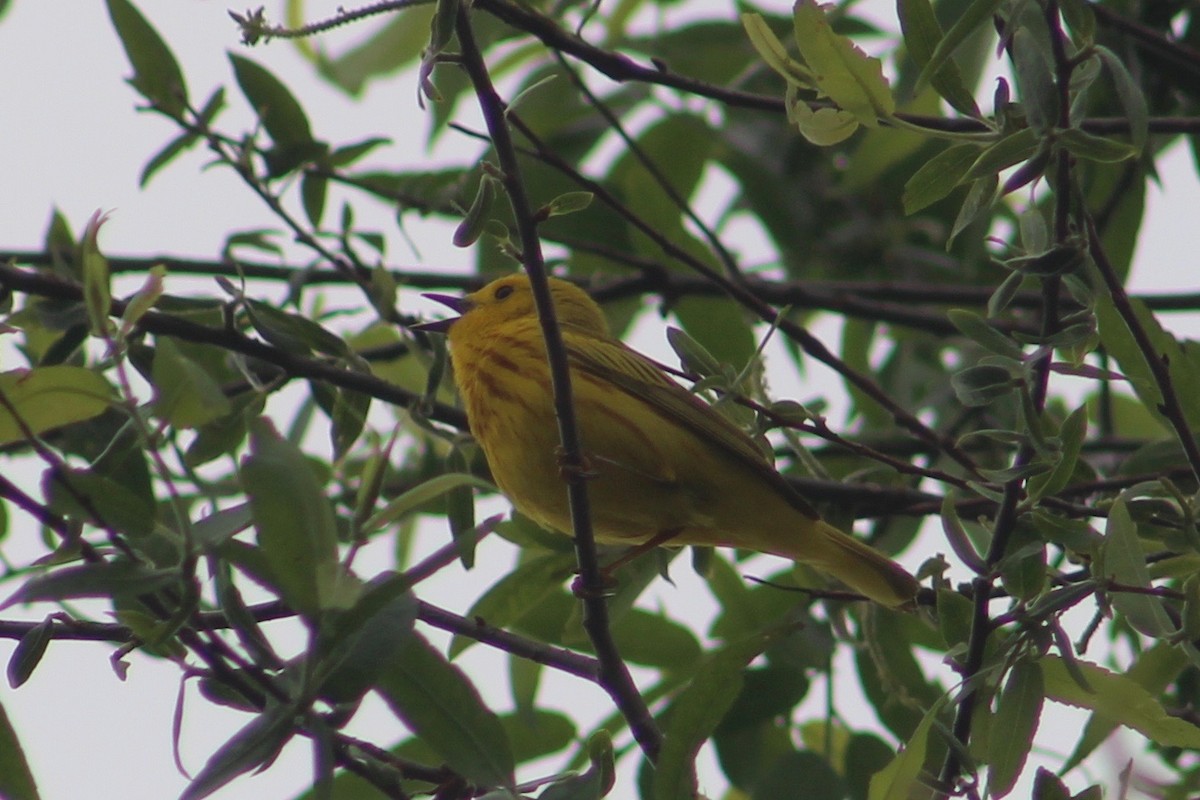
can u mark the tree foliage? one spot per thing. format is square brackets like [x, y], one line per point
[750, 172]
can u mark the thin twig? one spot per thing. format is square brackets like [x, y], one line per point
[615, 676]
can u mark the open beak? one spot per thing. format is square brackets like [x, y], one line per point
[460, 305]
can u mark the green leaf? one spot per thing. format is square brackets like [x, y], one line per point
[96, 293]
[185, 141]
[843, 72]
[1095, 148]
[977, 202]
[596, 782]
[984, 334]
[977, 14]
[922, 35]
[349, 418]
[143, 300]
[653, 640]
[824, 127]
[313, 190]
[719, 327]
[1123, 560]
[441, 706]
[294, 522]
[99, 500]
[460, 511]
[1048, 786]
[216, 528]
[938, 176]
[517, 594]
[27, 655]
[1155, 670]
[294, 332]
[1018, 712]
[187, 396]
[538, 733]
[1012, 149]
[156, 73]
[420, 495]
[1133, 99]
[693, 356]
[45, 398]
[16, 781]
[254, 746]
[278, 111]
[773, 51]
[569, 203]
[898, 778]
[696, 712]
[1121, 699]
[106, 579]
[800, 769]
[982, 384]
[1035, 79]
[680, 146]
[478, 214]
[359, 643]
[441, 26]
[1071, 435]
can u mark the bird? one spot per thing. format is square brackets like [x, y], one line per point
[664, 466]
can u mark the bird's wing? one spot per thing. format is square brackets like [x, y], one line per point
[639, 377]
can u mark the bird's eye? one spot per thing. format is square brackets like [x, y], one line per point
[503, 292]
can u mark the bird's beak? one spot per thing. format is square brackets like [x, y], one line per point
[460, 305]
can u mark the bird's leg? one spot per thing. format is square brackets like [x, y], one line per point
[658, 539]
[606, 572]
[583, 470]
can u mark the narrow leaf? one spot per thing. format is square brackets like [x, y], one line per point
[103, 579]
[254, 746]
[278, 110]
[1124, 561]
[977, 14]
[773, 51]
[1133, 99]
[1119, 698]
[696, 712]
[1096, 148]
[156, 73]
[293, 519]
[443, 708]
[28, 654]
[938, 176]
[421, 494]
[1018, 712]
[899, 778]
[16, 780]
[922, 34]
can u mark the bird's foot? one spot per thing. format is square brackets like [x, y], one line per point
[583, 470]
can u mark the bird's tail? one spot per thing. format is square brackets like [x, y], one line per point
[862, 568]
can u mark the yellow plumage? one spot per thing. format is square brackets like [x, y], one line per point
[664, 462]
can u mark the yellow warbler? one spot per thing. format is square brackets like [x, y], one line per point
[666, 466]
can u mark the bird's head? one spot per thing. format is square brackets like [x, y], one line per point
[511, 298]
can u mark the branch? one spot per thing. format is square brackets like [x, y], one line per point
[1171, 407]
[615, 676]
[292, 365]
[622, 68]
